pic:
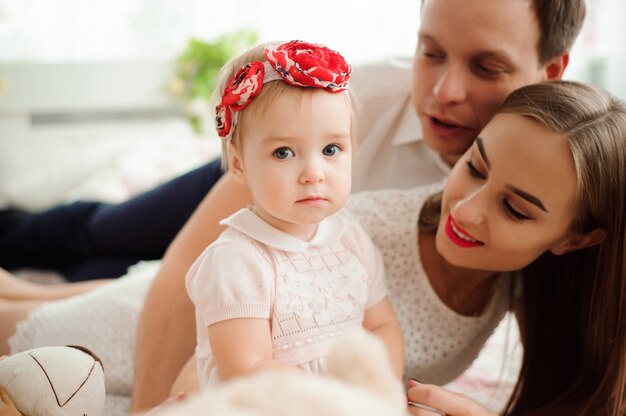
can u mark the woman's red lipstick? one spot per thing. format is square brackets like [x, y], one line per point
[459, 236]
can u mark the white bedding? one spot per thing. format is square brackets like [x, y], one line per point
[98, 160]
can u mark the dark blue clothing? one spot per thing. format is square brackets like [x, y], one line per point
[91, 240]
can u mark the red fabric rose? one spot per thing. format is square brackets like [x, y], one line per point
[239, 91]
[310, 65]
[244, 86]
[297, 63]
[223, 120]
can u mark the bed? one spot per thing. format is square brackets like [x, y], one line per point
[110, 131]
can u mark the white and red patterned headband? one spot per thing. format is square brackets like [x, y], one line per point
[297, 63]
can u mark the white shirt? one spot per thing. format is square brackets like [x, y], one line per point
[391, 152]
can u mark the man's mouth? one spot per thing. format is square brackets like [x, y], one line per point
[444, 127]
[443, 123]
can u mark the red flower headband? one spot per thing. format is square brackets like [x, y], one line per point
[297, 63]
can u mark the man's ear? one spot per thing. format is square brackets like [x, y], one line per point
[235, 165]
[556, 67]
[579, 241]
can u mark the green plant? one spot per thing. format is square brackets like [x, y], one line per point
[196, 72]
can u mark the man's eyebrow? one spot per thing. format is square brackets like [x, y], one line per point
[481, 149]
[498, 55]
[425, 36]
[528, 197]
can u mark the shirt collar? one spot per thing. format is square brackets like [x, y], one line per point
[410, 131]
[409, 128]
[250, 224]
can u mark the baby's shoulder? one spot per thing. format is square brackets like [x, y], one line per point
[238, 244]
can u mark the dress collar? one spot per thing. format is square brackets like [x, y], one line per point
[250, 224]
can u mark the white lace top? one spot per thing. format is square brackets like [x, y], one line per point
[311, 292]
[439, 343]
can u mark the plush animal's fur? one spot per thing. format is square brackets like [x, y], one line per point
[359, 382]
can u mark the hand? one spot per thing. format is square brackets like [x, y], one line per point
[7, 407]
[446, 401]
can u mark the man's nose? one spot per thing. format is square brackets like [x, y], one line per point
[451, 86]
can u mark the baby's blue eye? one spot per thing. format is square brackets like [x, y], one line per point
[331, 150]
[283, 153]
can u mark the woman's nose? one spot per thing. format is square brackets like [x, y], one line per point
[469, 210]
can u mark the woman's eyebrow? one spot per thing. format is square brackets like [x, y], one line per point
[528, 197]
[522, 194]
[481, 149]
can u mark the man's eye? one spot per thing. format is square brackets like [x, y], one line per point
[432, 55]
[331, 150]
[473, 171]
[430, 52]
[283, 153]
[486, 70]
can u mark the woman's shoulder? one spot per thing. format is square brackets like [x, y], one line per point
[386, 207]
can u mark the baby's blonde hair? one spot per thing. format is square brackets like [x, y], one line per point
[268, 93]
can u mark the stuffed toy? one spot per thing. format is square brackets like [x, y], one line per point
[359, 381]
[52, 381]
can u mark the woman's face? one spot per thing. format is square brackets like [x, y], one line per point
[509, 198]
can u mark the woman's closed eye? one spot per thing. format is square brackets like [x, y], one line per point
[283, 153]
[507, 206]
[474, 172]
[512, 212]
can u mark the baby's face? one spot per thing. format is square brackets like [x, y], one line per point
[297, 159]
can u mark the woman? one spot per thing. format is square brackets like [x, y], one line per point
[542, 190]
[570, 306]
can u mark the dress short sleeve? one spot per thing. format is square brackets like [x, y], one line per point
[231, 279]
[371, 257]
[378, 290]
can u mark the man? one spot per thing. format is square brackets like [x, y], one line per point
[469, 57]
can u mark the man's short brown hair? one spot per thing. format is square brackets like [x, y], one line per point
[559, 22]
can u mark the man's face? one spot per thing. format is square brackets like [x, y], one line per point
[470, 55]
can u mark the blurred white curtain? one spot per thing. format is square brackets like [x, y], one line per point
[599, 55]
[97, 30]
[126, 30]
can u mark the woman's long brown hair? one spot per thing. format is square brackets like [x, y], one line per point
[572, 312]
